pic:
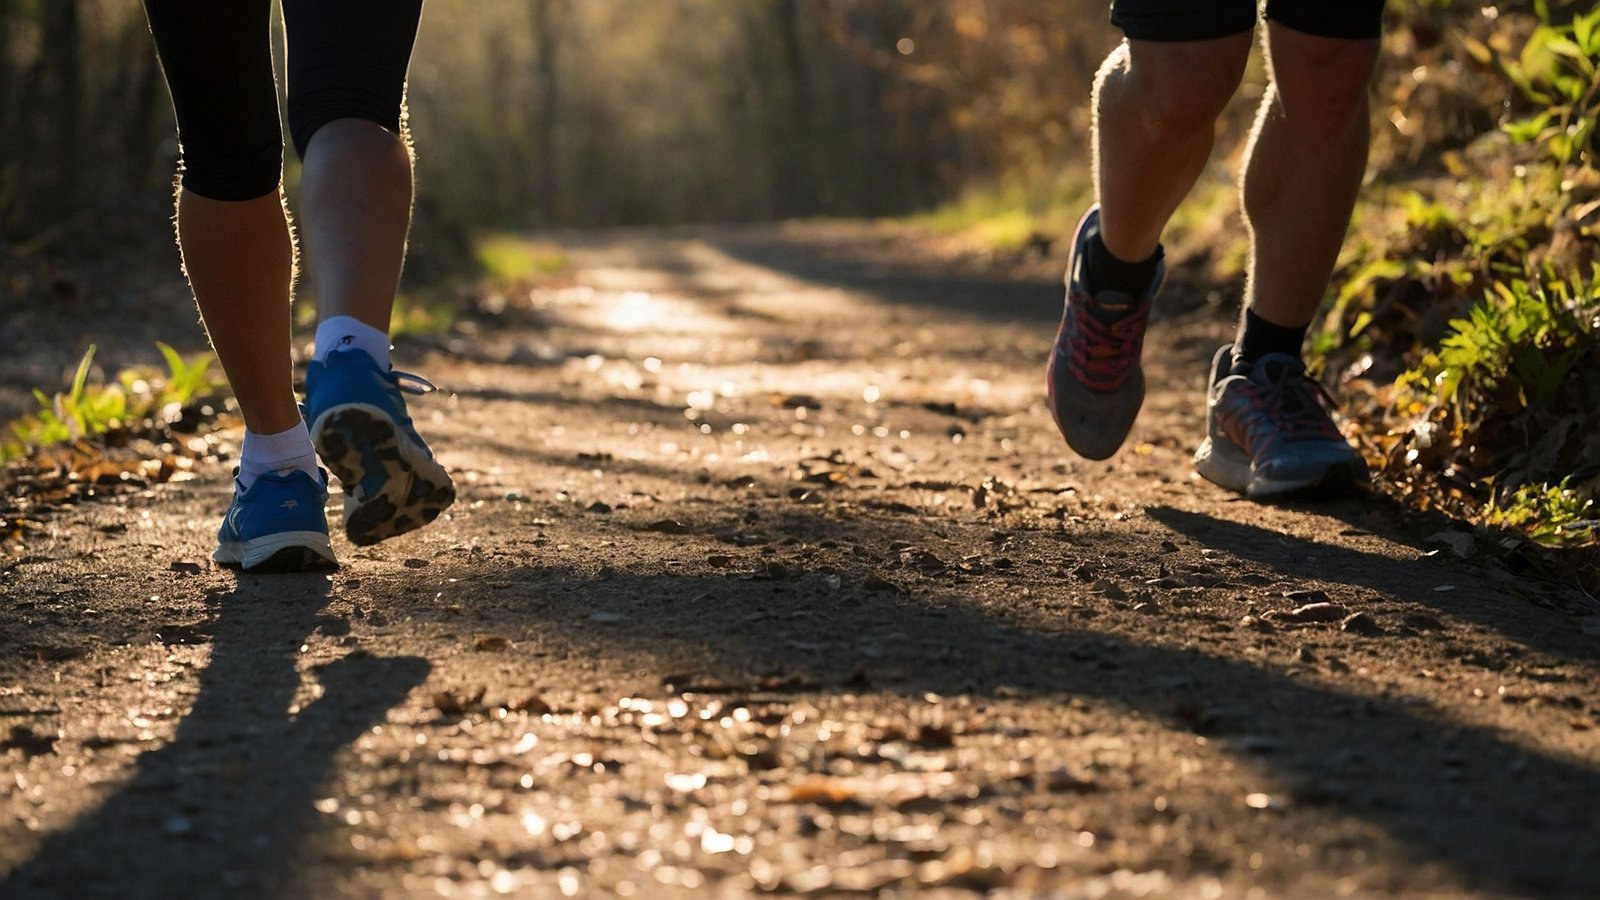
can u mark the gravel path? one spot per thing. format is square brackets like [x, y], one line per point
[770, 576]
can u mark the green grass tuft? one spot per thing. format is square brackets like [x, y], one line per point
[86, 408]
[512, 258]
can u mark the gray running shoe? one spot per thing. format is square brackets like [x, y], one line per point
[1270, 436]
[1094, 380]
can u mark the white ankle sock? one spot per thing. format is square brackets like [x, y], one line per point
[284, 451]
[350, 333]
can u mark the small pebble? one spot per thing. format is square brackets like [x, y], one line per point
[1361, 623]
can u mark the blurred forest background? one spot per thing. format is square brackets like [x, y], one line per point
[561, 112]
[1463, 321]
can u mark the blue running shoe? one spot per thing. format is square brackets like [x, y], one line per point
[278, 525]
[1270, 435]
[1094, 378]
[392, 484]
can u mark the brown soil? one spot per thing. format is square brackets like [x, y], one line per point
[771, 575]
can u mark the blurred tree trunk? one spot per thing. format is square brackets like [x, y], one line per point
[9, 100]
[143, 124]
[796, 172]
[62, 68]
[546, 21]
[39, 163]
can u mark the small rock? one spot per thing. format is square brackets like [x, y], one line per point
[1361, 623]
[31, 743]
[879, 583]
[928, 562]
[1109, 590]
[1064, 781]
[492, 645]
[1423, 622]
[934, 734]
[598, 507]
[415, 563]
[533, 703]
[1259, 800]
[1309, 614]
[1304, 655]
[1460, 543]
[1312, 596]
[1255, 624]
[448, 702]
[668, 526]
[859, 679]
[185, 567]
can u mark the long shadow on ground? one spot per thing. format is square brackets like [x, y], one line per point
[834, 265]
[239, 779]
[224, 807]
[1510, 616]
[1007, 299]
[1506, 817]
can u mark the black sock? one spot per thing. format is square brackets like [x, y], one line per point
[1105, 272]
[1258, 338]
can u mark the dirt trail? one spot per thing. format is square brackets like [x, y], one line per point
[770, 575]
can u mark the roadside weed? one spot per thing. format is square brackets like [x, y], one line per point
[1552, 515]
[1557, 70]
[134, 395]
[509, 257]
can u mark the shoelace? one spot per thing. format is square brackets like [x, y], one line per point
[1102, 351]
[1291, 407]
[411, 383]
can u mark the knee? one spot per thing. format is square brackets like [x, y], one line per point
[228, 171]
[1322, 83]
[311, 112]
[1182, 88]
[348, 145]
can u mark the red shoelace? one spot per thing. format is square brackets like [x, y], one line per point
[1102, 353]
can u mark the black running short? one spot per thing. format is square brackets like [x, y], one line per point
[1198, 20]
[346, 59]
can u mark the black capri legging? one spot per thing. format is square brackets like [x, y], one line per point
[1197, 20]
[347, 60]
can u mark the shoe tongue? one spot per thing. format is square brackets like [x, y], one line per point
[1272, 368]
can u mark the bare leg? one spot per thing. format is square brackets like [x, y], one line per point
[240, 261]
[355, 213]
[1307, 155]
[1156, 104]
